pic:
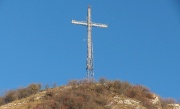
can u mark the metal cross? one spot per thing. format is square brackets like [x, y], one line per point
[89, 61]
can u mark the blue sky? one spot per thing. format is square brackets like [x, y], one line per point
[38, 43]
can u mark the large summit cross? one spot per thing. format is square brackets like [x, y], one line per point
[89, 61]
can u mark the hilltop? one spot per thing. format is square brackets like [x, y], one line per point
[104, 94]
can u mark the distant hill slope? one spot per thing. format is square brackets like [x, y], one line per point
[95, 95]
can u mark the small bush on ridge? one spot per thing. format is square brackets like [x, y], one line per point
[19, 93]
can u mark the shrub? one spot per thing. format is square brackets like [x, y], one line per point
[33, 88]
[73, 82]
[54, 85]
[118, 86]
[84, 96]
[2, 101]
[140, 93]
[165, 102]
[103, 81]
[48, 104]
[20, 93]
[10, 96]
[99, 88]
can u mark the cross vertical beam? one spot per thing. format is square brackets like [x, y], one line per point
[89, 61]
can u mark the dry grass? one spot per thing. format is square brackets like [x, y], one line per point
[82, 95]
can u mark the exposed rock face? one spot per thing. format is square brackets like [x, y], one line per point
[128, 103]
[124, 102]
[156, 101]
[173, 106]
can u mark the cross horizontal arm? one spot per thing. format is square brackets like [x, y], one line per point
[79, 22]
[99, 25]
[92, 24]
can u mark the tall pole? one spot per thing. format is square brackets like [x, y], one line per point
[89, 61]
[89, 68]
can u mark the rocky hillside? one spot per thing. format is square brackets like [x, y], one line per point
[82, 95]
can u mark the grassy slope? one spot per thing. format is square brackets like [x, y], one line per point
[80, 95]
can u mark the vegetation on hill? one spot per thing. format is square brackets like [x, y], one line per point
[19, 93]
[86, 95]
